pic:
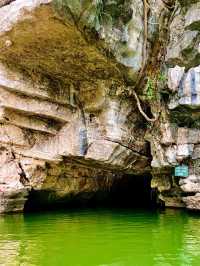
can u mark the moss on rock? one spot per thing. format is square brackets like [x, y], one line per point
[46, 48]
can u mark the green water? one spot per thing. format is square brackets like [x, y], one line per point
[100, 237]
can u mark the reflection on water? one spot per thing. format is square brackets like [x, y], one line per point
[101, 237]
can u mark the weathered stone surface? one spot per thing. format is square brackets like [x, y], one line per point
[119, 24]
[171, 155]
[174, 77]
[196, 152]
[13, 194]
[12, 200]
[187, 2]
[184, 89]
[16, 11]
[159, 159]
[28, 122]
[192, 202]
[69, 124]
[183, 82]
[188, 87]
[168, 133]
[190, 187]
[185, 150]
[13, 135]
[14, 81]
[173, 202]
[184, 38]
[32, 106]
[161, 183]
[63, 101]
[192, 17]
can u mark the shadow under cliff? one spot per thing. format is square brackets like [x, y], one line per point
[127, 192]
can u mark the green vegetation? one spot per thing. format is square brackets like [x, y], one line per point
[96, 16]
[153, 86]
[150, 89]
[91, 12]
[162, 77]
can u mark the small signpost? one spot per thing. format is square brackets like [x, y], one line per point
[181, 171]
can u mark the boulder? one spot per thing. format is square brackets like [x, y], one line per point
[192, 202]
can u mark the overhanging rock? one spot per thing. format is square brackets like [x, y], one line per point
[55, 82]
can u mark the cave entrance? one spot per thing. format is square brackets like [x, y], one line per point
[129, 191]
[133, 192]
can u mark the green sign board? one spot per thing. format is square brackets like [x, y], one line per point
[182, 171]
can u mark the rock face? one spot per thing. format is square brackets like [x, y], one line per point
[70, 125]
[66, 130]
[180, 143]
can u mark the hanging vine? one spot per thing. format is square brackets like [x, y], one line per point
[153, 75]
[144, 52]
[141, 111]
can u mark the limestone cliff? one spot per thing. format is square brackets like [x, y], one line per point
[93, 90]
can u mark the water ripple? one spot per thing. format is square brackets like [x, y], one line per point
[100, 238]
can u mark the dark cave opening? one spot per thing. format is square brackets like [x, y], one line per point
[129, 191]
[133, 192]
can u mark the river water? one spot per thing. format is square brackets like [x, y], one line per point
[102, 237]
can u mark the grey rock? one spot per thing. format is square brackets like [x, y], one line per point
[192, 17]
